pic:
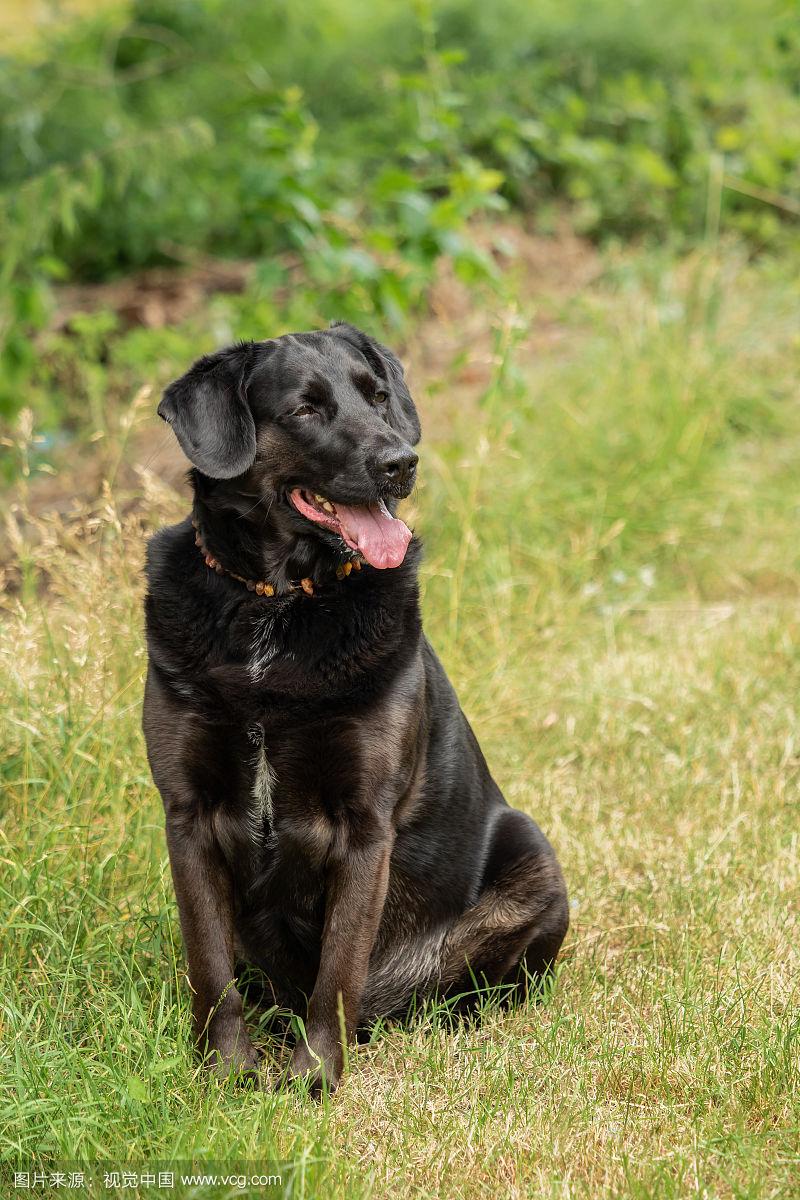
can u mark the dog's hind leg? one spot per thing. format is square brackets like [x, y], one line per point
[520, 917]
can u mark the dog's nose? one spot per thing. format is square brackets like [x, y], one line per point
[397, 467]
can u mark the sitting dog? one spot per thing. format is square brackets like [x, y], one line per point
[330, 817]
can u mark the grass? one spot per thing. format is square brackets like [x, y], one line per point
[612, 579]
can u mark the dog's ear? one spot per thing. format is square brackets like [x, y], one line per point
[209, 414]
[387, 366]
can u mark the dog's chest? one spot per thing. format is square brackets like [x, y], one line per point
[262, 787]
[294, 812]
[321, 772]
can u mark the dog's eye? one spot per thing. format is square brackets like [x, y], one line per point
[303, 410]
[381, 397]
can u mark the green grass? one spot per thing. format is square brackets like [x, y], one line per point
[612, 579]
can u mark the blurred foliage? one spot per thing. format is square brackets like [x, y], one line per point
[360, 145]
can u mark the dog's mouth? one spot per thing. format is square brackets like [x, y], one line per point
[368, 528]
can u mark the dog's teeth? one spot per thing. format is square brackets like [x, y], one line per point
[326, 504]
[318, 498]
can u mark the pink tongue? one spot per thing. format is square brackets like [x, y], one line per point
[380, 537]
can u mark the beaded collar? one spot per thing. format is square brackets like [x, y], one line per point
[260, 586]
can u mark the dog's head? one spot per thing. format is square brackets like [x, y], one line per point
[321, 423]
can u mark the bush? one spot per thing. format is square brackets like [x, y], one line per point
[363, 147]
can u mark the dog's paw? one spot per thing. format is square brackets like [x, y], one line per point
[318, 1065]
[231, 1055]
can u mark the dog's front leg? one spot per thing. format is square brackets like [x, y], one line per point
[355, 895]
[204, 891]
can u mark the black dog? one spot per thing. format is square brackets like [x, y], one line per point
[330, 817]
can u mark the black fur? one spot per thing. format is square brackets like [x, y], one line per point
[330, 817]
